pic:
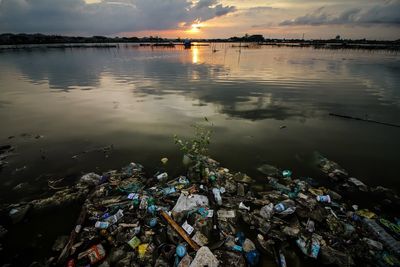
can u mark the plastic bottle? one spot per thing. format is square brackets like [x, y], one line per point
[286, 173]
[169, 190]
[113, 219]
[237, 248]
[253, 257]
[382, 235]
[217, 196]
[153, 222]
[162, 176]
[101, 225]
[324, 199]
[105, 215]
[181, 250]
[240, 238]
[282, 259]
[152, 209]
[280, 207]
[243, 206]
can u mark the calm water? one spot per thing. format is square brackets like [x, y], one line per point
[136, 99]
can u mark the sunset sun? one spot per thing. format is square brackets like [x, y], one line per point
[195, 27]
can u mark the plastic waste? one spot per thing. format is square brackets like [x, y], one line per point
[242, 206]
[286, 173]
[95, 254]
[169, 190]
[280, 187]
[200, 239]
[391, 227]
[183, 180]
[142, 249]
[134, 242]
[226, 214]
[373, 244]
[153, 222]
[310, 226]
[285, 207]
[187, 227]
[116, 217]
[164, 160]
[217, 195]
[267, 211]
[291, 231]
[282, 259]
[382, 235]
[152, 209]
[185, 203]
[101, 225]
[204, 257]
[324, 199]
[366, 214]
[71, 263]
[358, 183]
[311, 251]
[248, 245]
[162, 176]
[253, 257]
[389, 260]
[237, 248]
[240, 238]
[91, 178]
[131, 169]
[181, 250]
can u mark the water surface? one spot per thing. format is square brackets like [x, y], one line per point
[56, 104]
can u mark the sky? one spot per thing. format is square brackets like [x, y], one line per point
[371, 19]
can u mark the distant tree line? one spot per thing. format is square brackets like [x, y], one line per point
[23, 38]
[10, 39]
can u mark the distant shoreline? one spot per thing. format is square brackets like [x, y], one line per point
[18, 41]
[244, 45]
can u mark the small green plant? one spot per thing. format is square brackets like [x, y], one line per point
[196, 148]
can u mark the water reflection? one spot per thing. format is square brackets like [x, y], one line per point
[195, 54]
[153, 93]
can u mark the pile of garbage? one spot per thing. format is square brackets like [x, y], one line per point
[212, 217]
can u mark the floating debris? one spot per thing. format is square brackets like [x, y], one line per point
[129, 218]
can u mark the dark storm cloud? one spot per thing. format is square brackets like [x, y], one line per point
[106, 17]
[387, 13]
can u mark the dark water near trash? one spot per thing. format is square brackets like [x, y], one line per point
[70, 111]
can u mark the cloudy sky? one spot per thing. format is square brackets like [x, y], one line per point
[373, 19]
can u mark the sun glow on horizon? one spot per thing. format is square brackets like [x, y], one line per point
[196, 27]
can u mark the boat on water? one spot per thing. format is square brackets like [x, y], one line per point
[187, 43]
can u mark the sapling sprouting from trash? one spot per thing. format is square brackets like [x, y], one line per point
[195, 149]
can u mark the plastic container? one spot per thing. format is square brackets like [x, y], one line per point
[134, 242]
[162, 176]
[113, 219]
[279, 207]
[153, 222]
[101, 225]
[217, 196]
[324, 199]
[253, 257]
[169, 190]
[237, 248]
[142, 250]
[181, 250]
[152, 209]
[286, 173]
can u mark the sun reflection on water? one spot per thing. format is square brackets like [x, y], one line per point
[195, 55]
